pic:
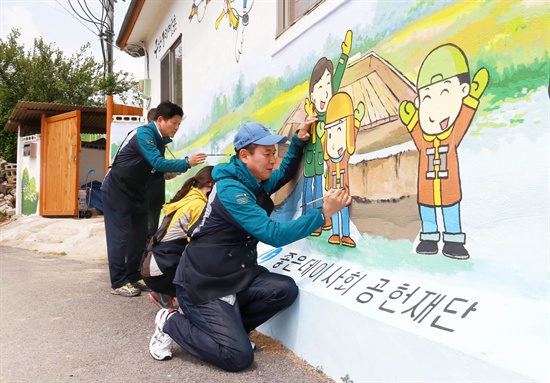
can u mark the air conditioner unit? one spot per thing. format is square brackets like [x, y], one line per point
[144, 87]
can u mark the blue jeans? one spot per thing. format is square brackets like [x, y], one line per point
[126, 235]
[217, 332]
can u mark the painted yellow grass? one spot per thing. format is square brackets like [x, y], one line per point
[508, 32]
[273, 115]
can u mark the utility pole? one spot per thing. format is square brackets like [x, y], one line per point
[105, 25]
[110, 35]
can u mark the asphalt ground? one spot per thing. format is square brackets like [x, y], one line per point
[59, 323]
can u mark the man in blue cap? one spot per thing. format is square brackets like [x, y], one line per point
[222, 291]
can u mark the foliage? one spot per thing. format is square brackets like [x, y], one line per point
[8, 146]
[515, 80]
[45, 74]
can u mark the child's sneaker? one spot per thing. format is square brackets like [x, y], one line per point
[162, 301]
[160, 345]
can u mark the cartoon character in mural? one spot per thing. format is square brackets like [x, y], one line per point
[231, 17]
[238, 19]
[437, 121]
[324, 82]
[198, 9]
[341, 128]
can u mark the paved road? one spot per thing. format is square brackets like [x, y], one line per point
[58, 323]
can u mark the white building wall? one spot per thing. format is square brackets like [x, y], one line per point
[507, 337]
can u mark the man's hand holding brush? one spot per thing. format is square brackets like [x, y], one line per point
[334, 201]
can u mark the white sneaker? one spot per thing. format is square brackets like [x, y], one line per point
[160, 345]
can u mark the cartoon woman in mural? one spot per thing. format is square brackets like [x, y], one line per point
[324, 82]
[341, 128]
[437, 121]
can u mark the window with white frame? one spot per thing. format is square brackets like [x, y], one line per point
[289, 11]
[171, 71]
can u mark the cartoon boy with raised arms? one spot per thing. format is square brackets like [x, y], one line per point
[437, 121]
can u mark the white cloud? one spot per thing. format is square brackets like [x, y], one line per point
[16, 16]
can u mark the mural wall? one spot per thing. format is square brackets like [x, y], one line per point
[28, 155]
[433, 115]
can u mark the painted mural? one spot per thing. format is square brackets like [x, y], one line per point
[433, 115]
[30, 194]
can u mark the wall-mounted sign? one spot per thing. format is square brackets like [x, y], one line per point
[168, 32]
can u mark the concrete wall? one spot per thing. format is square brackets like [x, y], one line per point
[381, 311]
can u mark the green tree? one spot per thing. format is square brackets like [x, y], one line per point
[45, 74]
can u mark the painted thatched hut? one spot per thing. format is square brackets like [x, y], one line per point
[383, 169]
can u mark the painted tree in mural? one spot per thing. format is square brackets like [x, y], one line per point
[30, 194]
[45, 74]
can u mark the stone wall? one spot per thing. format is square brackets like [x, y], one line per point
[8, 181]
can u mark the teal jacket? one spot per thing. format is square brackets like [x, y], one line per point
[235, 201]
[140, 155]
[221, 258]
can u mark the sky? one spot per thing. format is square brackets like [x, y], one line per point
[57, 23]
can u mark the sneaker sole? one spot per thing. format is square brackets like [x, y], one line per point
[157, 357]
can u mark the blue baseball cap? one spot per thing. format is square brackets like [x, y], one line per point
[256, 133]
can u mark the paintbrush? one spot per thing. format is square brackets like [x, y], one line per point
[218, 154]
[316, 200]
[169, 151]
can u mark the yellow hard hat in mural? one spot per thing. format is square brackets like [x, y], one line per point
[443, 62]
[340, 106]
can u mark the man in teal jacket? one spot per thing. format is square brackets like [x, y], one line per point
[221, 289]
[125, 201]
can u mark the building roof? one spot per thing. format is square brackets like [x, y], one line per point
[138, 25]
[29, 114]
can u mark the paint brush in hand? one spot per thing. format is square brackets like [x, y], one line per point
[169, 151]
[316, 200]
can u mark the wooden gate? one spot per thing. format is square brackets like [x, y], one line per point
[59, 164]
